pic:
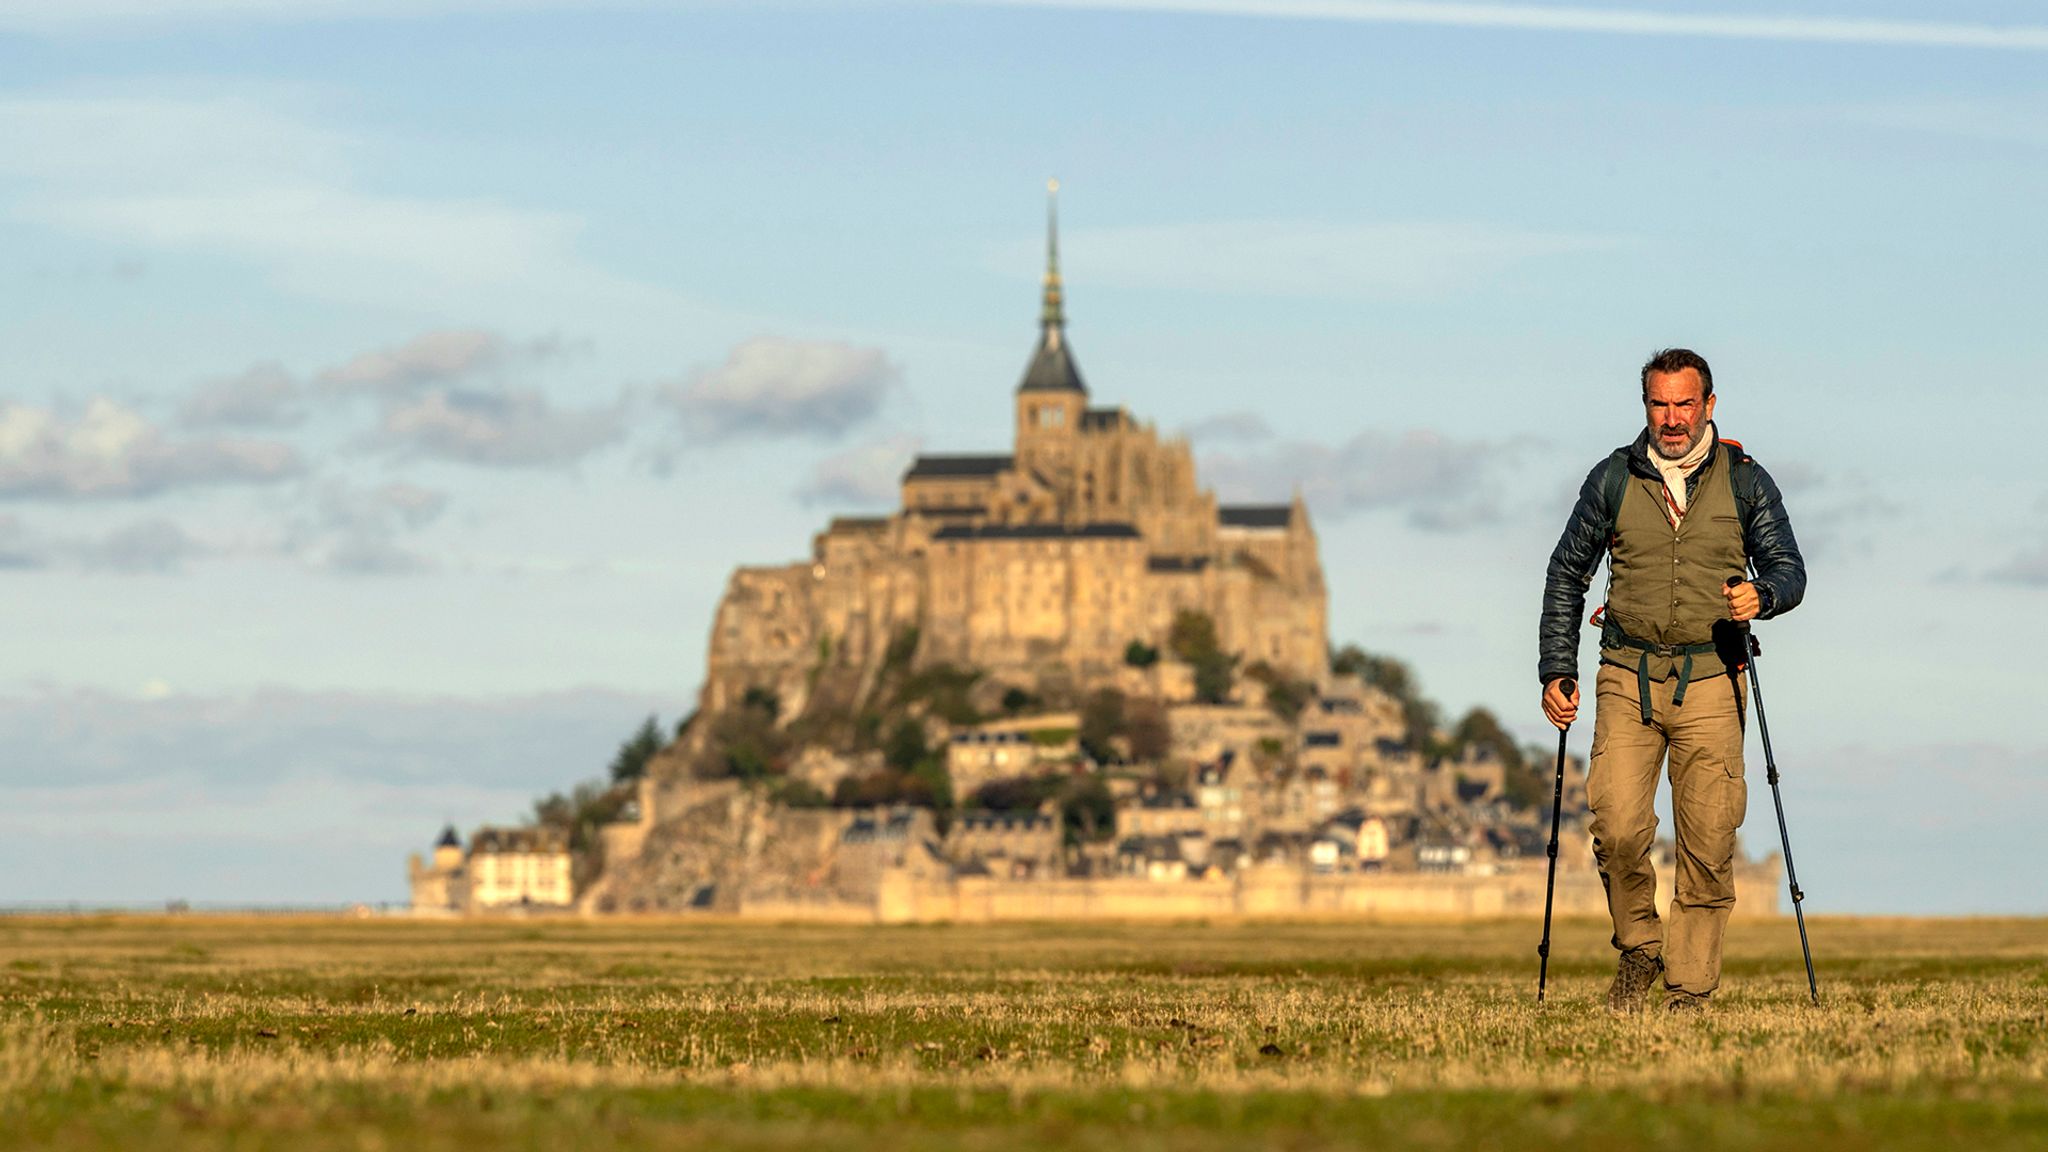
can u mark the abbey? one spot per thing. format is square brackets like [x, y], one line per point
[1039, 567]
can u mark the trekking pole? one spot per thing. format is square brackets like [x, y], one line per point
[1763, 727]
[1566, 687]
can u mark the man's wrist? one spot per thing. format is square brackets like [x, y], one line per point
[1765, 601]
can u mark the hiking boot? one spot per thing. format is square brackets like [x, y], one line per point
[1678, 1003]
[1632, 981]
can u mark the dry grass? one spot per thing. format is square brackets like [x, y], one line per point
[195, 1032]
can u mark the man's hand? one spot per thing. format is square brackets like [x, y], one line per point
[1558, 708]
[1742, 601]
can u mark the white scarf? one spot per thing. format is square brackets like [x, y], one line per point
[1675, 471]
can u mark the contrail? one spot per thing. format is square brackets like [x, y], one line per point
[1523, 17]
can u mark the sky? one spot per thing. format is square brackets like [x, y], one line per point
[387, 389]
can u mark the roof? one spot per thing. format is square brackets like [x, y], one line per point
[1100, 419]
[858, 524]
[1255, 515]
[936, 467]
[1176, 563]
[1052, 366]
[1036, 532]
[448, 838]
[540, 839]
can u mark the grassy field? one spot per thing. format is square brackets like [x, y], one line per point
[187, 1032]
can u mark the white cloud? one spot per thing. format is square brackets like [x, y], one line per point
[110, 451]
[430, 358]
[363, 532]
[230, 178]
[276, 795]
[514, 428]
[262, 396]
[51, 16]
[1313, 259]
[1440, 483]
[1230, 428]
[142, 546]
[865, 476]
[776, 387]
[1609, 21]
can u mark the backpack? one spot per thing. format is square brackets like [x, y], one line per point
[1614, 481]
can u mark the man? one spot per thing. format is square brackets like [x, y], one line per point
[1677, 513]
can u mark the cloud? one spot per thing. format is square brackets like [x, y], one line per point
[2028, 569]
[514, 429]
[111, 451]
[1834, 515]
[362, 532]
[772, 387]
[223, 177]
[144, 546]
[277, 795]
[1311, 259]
[1443, 485]
[262, 396]
[19, 551]
[439, 357]
[864, 476]
[51, 16]
[1609, 21]
[1231, 428]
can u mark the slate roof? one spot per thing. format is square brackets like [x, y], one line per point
[1036, 532]
[936, 467]
[1255, 515]
[1052, 367]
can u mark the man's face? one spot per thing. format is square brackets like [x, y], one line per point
[1676, 411]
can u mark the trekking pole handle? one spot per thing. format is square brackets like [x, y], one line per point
[1567, 686]
[1734, 580]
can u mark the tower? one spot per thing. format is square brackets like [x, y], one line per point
[1051, 397]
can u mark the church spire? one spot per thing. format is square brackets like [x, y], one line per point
[1052, 365]
[1054, 317]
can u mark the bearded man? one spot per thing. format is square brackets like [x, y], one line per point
[1678, 514]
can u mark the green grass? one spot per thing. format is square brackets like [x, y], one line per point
[314, 1034]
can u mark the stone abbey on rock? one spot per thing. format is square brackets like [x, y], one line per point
[1039, 566]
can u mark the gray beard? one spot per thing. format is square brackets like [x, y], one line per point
[1657, 447]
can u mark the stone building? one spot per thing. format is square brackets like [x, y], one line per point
[1039, 565]
[502, 868]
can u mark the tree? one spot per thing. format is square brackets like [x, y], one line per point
[905, 747]
[1102, 721]
[1421, 715]
[1016, 701]
[1139, 654]
[1284, 698]
[1087, 810]
[1146, 727]
[631, 761]
[1193, 640]
[1523, 782]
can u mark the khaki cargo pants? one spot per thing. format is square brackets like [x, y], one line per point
[1708, 800]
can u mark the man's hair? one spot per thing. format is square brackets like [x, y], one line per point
[1678, 360]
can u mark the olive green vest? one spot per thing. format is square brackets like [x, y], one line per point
[1664, 583]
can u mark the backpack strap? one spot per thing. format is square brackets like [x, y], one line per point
[1741, 480]
[1613, 480]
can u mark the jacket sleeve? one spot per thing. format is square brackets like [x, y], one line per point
[1780, 570]
[1572, 564]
